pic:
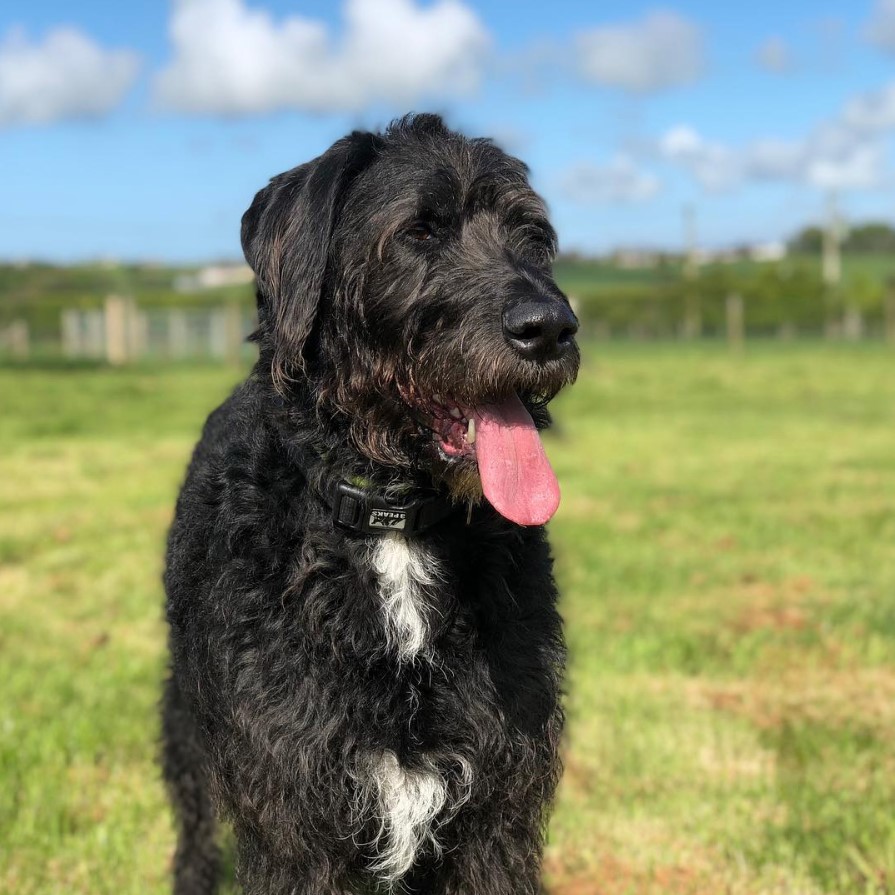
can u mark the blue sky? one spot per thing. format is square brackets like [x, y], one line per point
[142, 130]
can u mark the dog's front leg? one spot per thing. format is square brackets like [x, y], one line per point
[504, 863]
[261, 870]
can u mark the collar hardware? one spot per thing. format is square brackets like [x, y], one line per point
[359, 509]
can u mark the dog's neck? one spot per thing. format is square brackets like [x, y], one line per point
[363, 496]
[365, 510]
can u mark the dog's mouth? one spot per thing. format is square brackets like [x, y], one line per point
[454, 427]
[502, 440]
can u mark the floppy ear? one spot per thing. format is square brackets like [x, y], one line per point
[286, 235]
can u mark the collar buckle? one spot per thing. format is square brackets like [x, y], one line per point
[359, 510]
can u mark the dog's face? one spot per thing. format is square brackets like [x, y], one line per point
[407, 278]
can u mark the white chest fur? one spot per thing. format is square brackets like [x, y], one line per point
[407, 804]
[404, 570]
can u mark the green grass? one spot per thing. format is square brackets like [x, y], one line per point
[726, 547]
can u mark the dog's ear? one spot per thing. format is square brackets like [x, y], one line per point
[286, 235]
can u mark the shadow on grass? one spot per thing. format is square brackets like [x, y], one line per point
[845, 835]
[51, 364]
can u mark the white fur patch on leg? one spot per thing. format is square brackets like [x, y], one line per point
[404, 569]
[408, 803]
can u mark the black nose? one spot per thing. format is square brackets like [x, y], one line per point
[540, 330]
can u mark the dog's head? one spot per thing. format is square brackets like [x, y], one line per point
[405, 279]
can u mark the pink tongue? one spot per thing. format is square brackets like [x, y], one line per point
[515, 472]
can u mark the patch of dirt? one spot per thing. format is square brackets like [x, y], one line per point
[775, 606]
[819, 695]
[577, 777]
[611, 876]
[776, 618]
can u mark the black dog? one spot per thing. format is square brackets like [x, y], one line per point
[366, 653]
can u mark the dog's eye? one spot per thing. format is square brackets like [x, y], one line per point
[420, 232]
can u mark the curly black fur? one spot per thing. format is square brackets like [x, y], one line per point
[294, 707]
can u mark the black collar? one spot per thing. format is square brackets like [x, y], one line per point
[364, 510]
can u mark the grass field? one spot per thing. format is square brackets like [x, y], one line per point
[726, 547]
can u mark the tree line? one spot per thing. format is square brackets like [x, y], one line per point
[778, 299]
[862, 239]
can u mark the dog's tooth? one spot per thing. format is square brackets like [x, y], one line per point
[438, 399]
[470, 432]
[455, 413]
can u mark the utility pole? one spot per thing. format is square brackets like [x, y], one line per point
[832, 255]
[890, 312]
[735, 316]
[692, 310]
[831, 266]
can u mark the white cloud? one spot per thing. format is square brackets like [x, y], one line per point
[775, 56]
[771, 158]
[67, 76]
[511, 138]
[872, 112]
[839, 158]
[681, 141]
[880, 30]
[618, 181]
[714, 165]
[832, 157]
[659, 51]
[230, 59]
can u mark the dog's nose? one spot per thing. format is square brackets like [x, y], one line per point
[540, 330]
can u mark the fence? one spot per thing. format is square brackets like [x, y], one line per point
[645, 314]
[15, 339]
[121, 332]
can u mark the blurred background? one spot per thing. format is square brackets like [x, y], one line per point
[722, 180]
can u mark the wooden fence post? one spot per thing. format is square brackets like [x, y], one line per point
[70, 324]
[137, 331]
[890, 313]
[217, 333]
[178, 334]
[234, 337]
[225, 332]
[116, 330]
[786, 332]
[94, 333]
[692, 328]
[735, 322]
[18, 338]
[853, 324]
[833, 329]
